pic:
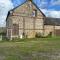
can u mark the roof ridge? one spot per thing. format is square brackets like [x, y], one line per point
[18, 6]
[34, 5]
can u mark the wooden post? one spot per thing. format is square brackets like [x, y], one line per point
[53, 33]
[54, 30]
[7, 33]
[34, 25]
[1, 37]
[11, 35]
[43, 27]
[23, 26]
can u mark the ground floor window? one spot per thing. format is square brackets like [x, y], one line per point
[15, 29]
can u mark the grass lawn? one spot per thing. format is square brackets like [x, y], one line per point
[31, 49]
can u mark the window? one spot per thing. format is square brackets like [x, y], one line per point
[11, 12]
[15, 29]
[34, 13]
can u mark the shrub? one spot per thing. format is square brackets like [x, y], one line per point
[50, 34]
[38, 35]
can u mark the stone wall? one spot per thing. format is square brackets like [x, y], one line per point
[29, 19]
[48, 29]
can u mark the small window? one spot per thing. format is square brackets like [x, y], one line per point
[11, 12]
[34, 13]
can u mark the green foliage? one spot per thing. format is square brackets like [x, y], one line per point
[49, 35]
[38, 35]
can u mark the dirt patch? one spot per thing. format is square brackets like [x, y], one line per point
[2, 57]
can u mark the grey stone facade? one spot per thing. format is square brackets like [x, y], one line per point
[27, 20]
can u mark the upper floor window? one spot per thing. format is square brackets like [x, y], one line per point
[34, 13]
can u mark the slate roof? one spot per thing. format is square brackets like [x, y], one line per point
[52, 21]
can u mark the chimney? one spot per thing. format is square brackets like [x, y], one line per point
[30, 0]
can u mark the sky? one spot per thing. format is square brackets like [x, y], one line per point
[51, 8]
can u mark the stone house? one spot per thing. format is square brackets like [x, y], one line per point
[52, 25]
[26, 20]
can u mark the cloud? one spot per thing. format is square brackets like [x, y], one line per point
[2, 22]
[5, 6]
[51, 13]
[55, 2]
[41, 3]
[48, 7]
[17, 2]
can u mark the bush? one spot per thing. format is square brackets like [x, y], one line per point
[38, 35]
[50, 34]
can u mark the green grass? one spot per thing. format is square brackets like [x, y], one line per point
[31, 49]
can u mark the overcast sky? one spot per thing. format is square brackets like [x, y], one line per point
[50, 8]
